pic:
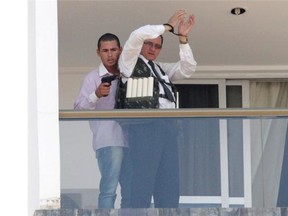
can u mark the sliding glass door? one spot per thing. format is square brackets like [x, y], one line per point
[212, 150]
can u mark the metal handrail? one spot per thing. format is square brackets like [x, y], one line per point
[170, 113]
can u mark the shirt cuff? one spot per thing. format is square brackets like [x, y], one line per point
[184, 46]
[93, 97]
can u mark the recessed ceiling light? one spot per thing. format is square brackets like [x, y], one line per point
[238, 11]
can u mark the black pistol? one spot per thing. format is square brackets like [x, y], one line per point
[108, 79]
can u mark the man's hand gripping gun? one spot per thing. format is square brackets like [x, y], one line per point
[109, 79]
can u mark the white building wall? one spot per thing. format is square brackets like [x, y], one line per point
[43, 154]
[14, 108]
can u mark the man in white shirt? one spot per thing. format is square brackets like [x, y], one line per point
[153, 146]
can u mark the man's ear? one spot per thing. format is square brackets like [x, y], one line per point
[97, 51]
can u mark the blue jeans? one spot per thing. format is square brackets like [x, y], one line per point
[115, 166]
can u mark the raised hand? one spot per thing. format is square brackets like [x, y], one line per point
[177, 16]
[185, 26]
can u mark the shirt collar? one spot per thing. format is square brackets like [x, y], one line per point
[103, 71]
[144, 59]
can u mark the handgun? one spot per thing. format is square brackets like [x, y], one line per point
[108, 79]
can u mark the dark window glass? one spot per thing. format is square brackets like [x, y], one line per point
[198, 96]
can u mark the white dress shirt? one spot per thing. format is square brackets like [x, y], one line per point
[182, 69]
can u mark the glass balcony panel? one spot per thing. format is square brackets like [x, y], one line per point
[224, 160]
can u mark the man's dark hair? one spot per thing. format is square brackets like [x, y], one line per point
[108, 37]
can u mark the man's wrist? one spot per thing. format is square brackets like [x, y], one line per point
[170, 27]
[183, 39]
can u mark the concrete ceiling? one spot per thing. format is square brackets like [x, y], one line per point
[253, 43]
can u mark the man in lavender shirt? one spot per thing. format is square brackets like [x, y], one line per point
[109, 142]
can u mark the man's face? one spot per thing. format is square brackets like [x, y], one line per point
[151, 48]
[109, 53]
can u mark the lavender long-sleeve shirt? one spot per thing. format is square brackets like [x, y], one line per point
[105, 132]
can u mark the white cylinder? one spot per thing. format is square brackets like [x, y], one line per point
[134, 88]
[139, 87]
[129, 88]
[145, 87]
[150, 86]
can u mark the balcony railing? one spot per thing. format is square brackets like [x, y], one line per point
[228, 157]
